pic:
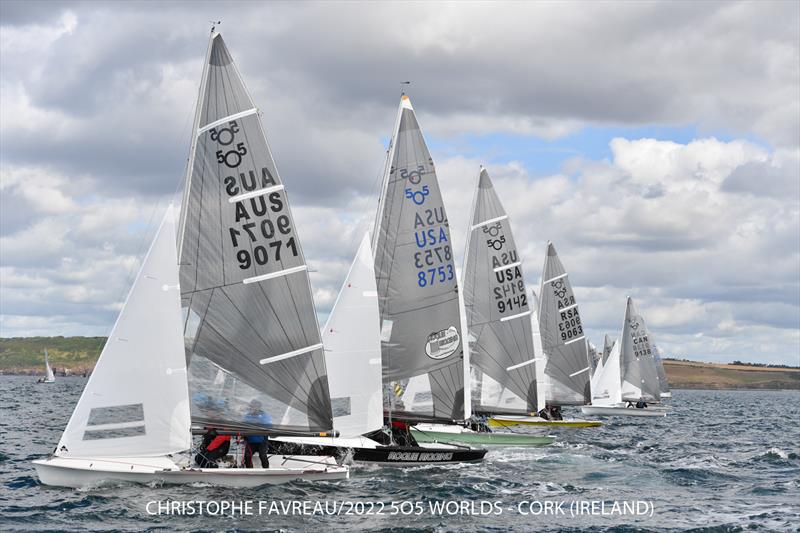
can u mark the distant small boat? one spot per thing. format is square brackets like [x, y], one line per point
[49, 376]
[629, 376]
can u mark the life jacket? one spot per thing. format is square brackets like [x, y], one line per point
[217, 442]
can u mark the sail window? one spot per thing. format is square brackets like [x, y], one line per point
[114, 433]
[119, 414]
[340, 406]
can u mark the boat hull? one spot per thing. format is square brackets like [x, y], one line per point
[502, 439]
[367, 451]
[510, 421]
[622, 410]
[79, 473]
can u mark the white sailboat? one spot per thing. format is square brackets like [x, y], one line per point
[49, 376]
[629, 374]
[133, 421]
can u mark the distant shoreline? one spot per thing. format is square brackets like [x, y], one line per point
[76, 355]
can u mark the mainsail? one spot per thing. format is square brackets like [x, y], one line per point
[147, 413]
[639, 376]
[608, 345]
[563, 340]
[421, 334]
[663, 384]
[244, 281]
[353, 350]
[497, 308]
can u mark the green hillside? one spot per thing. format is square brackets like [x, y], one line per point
[26, 354]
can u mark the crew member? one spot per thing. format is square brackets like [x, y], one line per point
[213, 448]
[256, 443]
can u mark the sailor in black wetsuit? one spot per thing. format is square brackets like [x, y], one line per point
[214, 448]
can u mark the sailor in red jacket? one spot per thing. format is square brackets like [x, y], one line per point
[214, 447]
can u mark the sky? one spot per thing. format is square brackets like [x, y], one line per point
[656, 144]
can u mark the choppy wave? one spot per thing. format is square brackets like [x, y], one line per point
[700, 466]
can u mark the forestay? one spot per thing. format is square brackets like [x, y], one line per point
[251, 330]
[418, 294]
[353, 350]
[568, 367]
[497, 308]
[639, 376]
[147, 413]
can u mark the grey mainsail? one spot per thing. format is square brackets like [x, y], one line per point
[251, 330]
[421, 335]
[639, 375]
[663, 383]
[497, 307]
[608, 345]
[568, 367]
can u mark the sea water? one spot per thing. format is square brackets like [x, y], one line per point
[721, 461]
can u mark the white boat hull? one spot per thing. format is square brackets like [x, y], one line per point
[622, 410]
[81, 472]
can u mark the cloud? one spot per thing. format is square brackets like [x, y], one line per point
[96, 108]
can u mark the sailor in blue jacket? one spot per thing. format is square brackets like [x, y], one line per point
[260, 443]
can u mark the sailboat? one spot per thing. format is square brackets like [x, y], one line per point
[423, 351]
[353, 356]
[240, 306]
[629, 374]
[500, 339]
[49, 376]
[564, 349]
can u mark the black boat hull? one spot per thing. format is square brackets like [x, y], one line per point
[389, 455]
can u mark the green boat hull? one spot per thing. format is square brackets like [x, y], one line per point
[505, 439]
